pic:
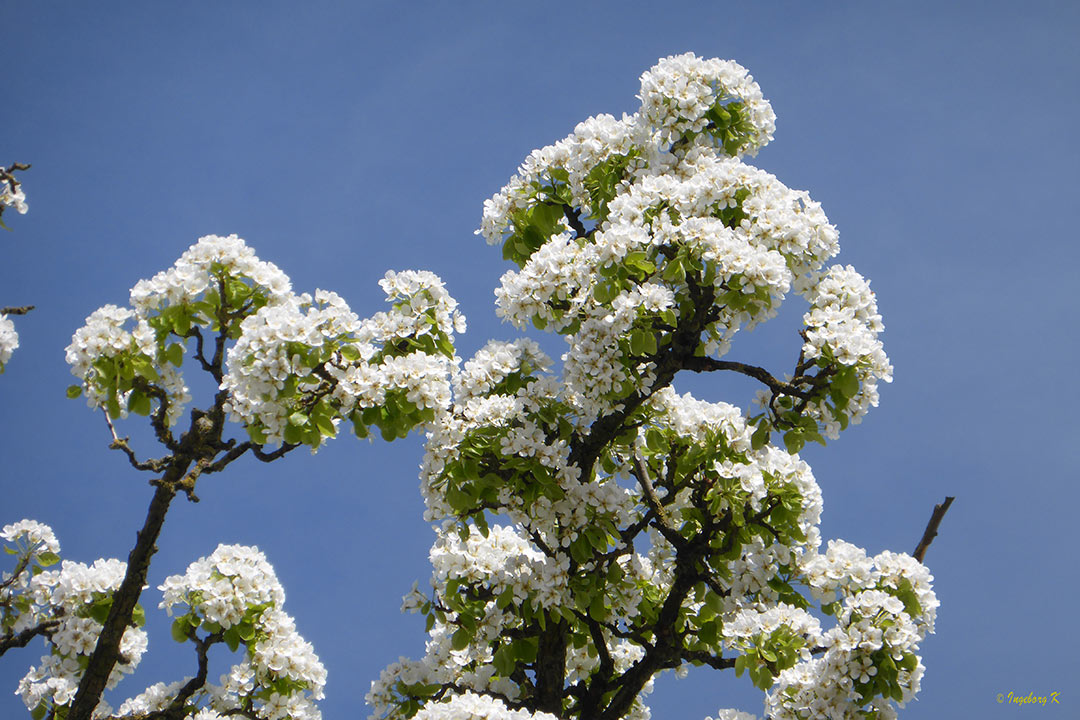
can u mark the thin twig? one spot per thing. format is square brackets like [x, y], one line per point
[16, 310]
[120, 443]
[932, 528]
[642, 474]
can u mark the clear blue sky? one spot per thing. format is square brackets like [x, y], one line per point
[345, 139]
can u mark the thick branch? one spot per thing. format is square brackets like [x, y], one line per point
[931, 528]
[107, 651]
[551, 667]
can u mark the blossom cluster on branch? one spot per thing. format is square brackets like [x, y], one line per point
[596, 527]
[289, 369]
[11, 196]
[9, 340]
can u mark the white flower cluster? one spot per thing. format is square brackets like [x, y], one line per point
[33, 543]
[70, 596]
[105, 337]
[667, 215]
[502, 561]
[470, 706]
[206, 267]
[566, 165]
[843, 325]
[297, 366]
[221, 588]
[887, 607]
[9, 340]
[493, 363]
[679, 91]
[422, 306]
[211, 274]
[13, 198]
[233, 595]
[235, 590]
[750, 624]
[729, 714]
[322, 349]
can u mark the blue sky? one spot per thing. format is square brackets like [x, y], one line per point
[344, 139]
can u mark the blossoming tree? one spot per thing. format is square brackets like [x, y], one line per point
[594, 527]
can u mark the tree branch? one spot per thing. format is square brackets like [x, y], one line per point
[642, 474]
[707, 364]
[107, 651]
[931, 528]
[23, 638]
[16, 310]
[119, 443]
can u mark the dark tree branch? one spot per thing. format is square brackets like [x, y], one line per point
[551, 667]
[642, 474]
[21, 639]
[16, 310]
[720, 663]
[107, 651]
[931, 528]
[573, 218]
[175, 711]
[707, 364]
[257, 451]
[119, 443]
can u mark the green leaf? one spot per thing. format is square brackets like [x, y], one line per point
[232, 638]
[325, 425]
[675, 272]
[138, 616]
[906, 594]
[42, 709]
[846, 382]
[605, 292]
[180, 629]
[504, 660]
[761, 436]
[46, 559]
[597, 609]
[74, 391]
[525, 649]
[143, 367]
[794, 441]
[175, 354]
[139, 403]
[99, 611]
[460, 639]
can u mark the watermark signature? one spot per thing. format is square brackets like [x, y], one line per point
[1029, 699]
